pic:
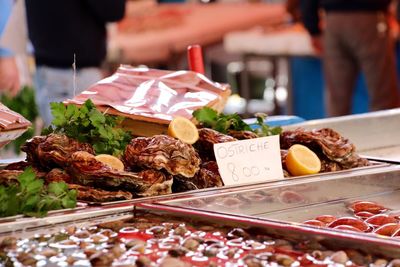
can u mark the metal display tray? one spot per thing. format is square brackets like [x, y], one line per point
[375, 134]
[289, 231]
[305, 199]
[20, 222]
[376, 166]
[286, 230]
[71, 216]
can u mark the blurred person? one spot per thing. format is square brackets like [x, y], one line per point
[61, 32]
[9, 76]
[356, 36]
[293, 8]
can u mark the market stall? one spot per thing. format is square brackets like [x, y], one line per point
[92, 193]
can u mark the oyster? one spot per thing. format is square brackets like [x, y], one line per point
[207, 176]
[242, 135]
[182, 184]
[326, 143]
[207, 139]
[58, 175]
[87, 170]
[87, 193]
[18, 166]
[9, 177]
[162, 152]
[53, 150]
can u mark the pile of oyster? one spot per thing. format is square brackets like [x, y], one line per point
[153, 166]
[159, 164]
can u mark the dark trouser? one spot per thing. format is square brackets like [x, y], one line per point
[353, 42]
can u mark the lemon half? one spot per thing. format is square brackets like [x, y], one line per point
[302, 161]
[111, 161]
[184, 130]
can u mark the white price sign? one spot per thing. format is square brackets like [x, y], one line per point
[249, 161]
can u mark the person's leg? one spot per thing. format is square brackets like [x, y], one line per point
[52, 85]
[340, 68]
[87, 77]
[376, 54]
[57, 85]
[42, 94]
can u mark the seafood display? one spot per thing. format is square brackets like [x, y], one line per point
[307, 199]
[152, 133]
[91, 150]
[152, 164]
[158, 165]
[368, 217]
[154, 240]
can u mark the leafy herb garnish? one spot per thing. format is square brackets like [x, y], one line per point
[221, 122]
[31, 197]
[264, 129]
[88, 125]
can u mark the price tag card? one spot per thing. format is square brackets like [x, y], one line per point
[249, 161]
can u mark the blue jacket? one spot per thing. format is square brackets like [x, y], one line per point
[5, 11]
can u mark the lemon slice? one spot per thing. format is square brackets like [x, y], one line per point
[111, 161]
[302, 161]
[184, 130]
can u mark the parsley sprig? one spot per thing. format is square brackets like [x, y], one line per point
[221, 122]
[88, 125]
[29, 196]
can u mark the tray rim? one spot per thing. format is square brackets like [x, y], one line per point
[346, 236]
[378, 165]
[107, 206]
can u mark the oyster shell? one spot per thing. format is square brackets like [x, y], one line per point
[9, 177]
[162, 152]
[58, 175]
[327, 144]
[88, 193]
[242, 135]
[87, 170]
[207, 176]
[53, 150]
[207, 139]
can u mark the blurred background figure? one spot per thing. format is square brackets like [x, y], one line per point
[61, 32]
[293, 8]
[9, 77]
[356, 36]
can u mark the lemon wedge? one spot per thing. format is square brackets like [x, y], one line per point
[184, 130]
[111, 161]
[302, 161]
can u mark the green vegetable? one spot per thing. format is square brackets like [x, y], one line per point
[221, 122]
[31, 197]
[89, 125]
[24, 103]
[264, 129]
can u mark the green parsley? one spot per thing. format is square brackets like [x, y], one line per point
[32, 198]
[88, 125]
[264, 129]
[221, 122]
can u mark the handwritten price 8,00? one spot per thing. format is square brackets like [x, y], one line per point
[245, 171]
